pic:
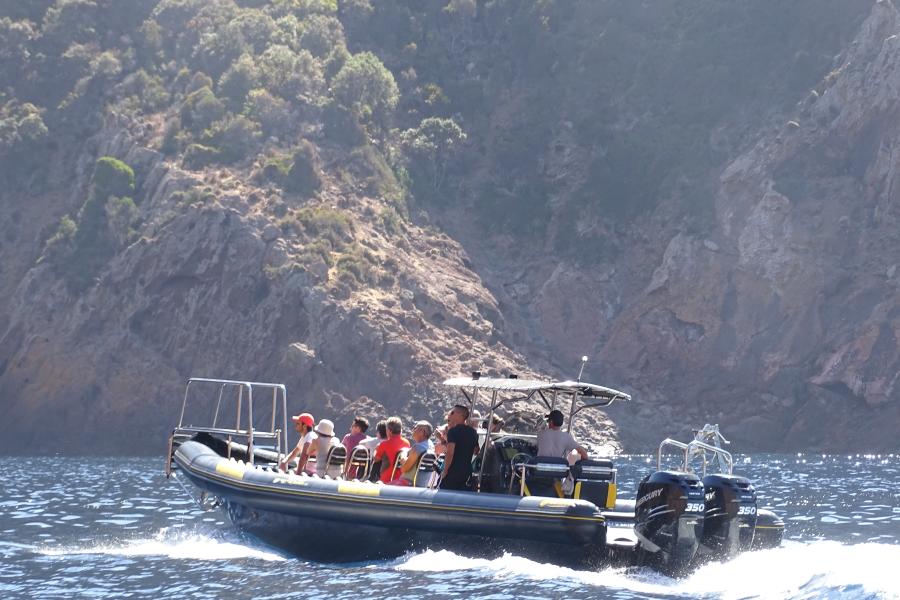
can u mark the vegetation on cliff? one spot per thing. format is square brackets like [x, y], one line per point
[169, 164]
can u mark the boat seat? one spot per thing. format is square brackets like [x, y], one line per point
[426, 474]
[595, 481]
[544, 475]
[398, 461]
[334, 461]
[359, 464]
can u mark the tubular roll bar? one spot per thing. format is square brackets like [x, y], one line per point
[694, 449]
[279, 392]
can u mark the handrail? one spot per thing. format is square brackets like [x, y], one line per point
[670, 442]
[716, 451]
[692, 449]
[279, 435]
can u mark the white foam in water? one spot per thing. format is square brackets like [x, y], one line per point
[794, 570]
[181, 546]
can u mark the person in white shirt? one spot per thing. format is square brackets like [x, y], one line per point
[555, 442]
[303, 423]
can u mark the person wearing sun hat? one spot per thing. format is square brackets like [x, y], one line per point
[325, 439]
[304, 424]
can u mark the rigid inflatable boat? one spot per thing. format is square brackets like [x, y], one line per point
[536, 506]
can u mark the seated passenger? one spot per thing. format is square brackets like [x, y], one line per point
[325, 440]
[421, 436]
[475, 420]
[555, 442]
[372, 444]
[356, 436]
[388, 449]
[380, 435]
[462, 443]
[440, 440]
[303, 423]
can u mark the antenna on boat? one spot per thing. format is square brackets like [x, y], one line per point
[584, 360]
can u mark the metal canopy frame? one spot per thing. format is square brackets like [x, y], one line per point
[243, 389]
[583, 395]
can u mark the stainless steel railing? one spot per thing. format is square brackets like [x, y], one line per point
[244, 400]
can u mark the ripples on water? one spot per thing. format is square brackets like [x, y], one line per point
[101, 528]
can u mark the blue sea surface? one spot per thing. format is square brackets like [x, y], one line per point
[117, 528]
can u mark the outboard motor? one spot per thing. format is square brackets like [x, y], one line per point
[769, 530]
[730, 516]
[669, 514]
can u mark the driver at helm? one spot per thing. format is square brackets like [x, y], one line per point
[553, 441]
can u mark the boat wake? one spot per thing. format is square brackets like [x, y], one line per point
[173, 544]
[819, 569]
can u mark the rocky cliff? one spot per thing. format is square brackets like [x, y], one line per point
[775, 314]
[779, 319]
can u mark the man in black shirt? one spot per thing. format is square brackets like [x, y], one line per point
[462, 443]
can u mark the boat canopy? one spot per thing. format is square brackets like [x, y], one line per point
[529, 386]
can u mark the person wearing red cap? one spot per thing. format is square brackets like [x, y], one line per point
[304, 424]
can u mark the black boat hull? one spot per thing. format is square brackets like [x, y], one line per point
[340, 521]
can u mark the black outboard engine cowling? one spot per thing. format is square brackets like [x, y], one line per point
[730, 516]
[669, 519]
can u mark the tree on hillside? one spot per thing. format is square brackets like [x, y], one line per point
[431, 149]
[367, 89]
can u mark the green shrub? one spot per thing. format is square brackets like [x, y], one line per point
[197, 156]
[275, 169]
[60, 243]
[201, 109]
[295, 76]
[272, 113]
[121, 214]
[321, 34]
[303, 177]
[325, 223]
[342, 126]
[198, 81]
[112, 177]
[237, 81]
[367, 165]
[390, 221]
[192, 196]
[235, 136]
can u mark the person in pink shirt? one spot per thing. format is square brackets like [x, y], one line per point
[357, 434]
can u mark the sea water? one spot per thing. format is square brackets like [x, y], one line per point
[117, 528]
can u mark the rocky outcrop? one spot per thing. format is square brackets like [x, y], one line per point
[221, 289]
[781, 322]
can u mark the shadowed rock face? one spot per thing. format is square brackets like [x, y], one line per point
[780, 321]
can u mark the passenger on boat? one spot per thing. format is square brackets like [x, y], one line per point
[372, 444]
[475, 419]
[303, 423]
[324, 441]
[440, 440]
[350, 441]
[462, 443]
[388, 449]
[380, 435]
[357, 434]
[496, 425]
[553, 441]
[422, 445]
